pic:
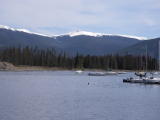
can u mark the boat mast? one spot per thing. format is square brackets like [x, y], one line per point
[146, 58]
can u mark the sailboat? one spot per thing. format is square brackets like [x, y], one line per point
[142, 76]
[143, 79]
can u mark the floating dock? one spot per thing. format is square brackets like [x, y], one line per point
[97, 74]
[102, 73]
[143, 81]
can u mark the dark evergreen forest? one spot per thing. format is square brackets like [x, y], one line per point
[51, 58]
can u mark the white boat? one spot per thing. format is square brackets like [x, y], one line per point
[79, 71]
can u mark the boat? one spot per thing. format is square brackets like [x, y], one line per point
[143, 78]
[102, 73]
[156, 73]
[122, 72]
[96, 74]
[79, 71]
[111, 73]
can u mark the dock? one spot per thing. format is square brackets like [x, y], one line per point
[102, 73]
[142, 81]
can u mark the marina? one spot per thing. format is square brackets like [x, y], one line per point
[144, 78]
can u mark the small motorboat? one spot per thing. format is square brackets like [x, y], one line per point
[79, 71]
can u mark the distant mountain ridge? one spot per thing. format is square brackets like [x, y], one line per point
[75, 42]
[150, 46]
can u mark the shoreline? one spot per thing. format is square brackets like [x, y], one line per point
[5, 66]
[45, 68]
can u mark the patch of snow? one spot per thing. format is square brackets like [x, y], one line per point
[78, 33]
[6, 27]
[134, 37]
[22, 30]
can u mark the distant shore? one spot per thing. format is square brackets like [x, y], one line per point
[44, 68]
[5, 66]
[37, 68]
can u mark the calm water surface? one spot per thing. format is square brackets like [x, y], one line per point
[65, 95]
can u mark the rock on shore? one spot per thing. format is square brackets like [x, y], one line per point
[6, 66]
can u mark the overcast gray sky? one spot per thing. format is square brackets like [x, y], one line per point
[132, 17]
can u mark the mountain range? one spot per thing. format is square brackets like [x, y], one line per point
[81, 42]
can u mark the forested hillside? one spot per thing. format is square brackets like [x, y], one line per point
[38, 57]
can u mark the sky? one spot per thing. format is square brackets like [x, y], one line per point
[128, 17]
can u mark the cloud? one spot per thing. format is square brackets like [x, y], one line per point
[60, 16]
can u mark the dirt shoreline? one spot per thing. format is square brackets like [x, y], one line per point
[44, 68]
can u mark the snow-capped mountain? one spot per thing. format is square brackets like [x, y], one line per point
[73, 34]
[75, 42]
[78, 33]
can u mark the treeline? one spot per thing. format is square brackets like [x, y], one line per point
[51, 58]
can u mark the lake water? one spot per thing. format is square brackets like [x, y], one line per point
[65, 95]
